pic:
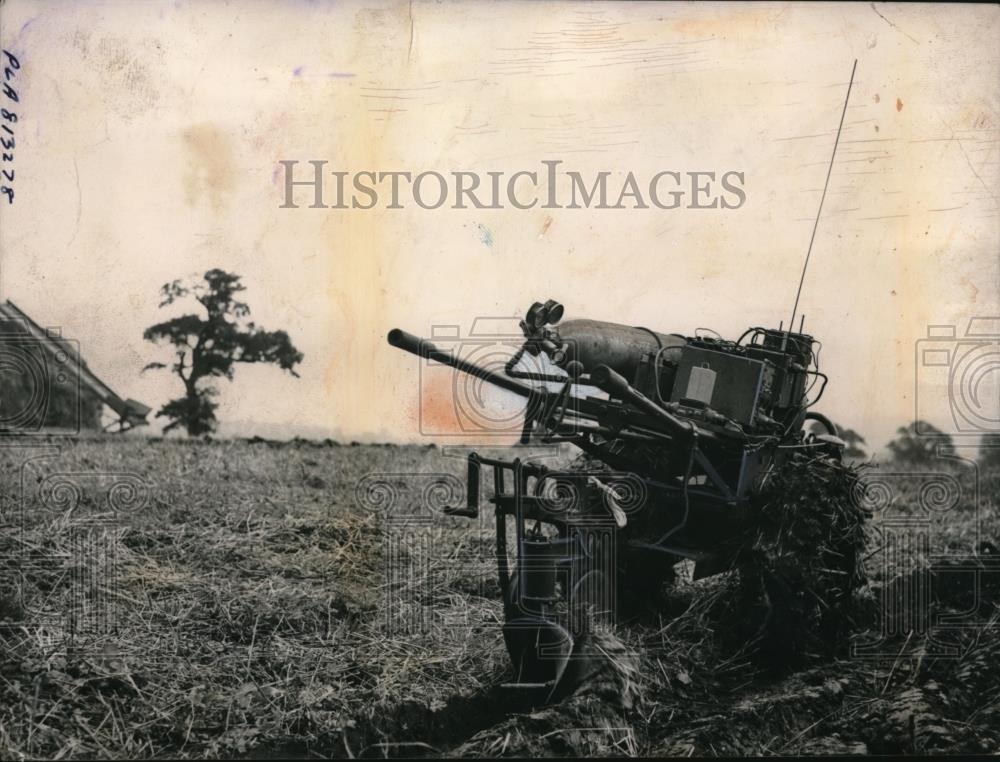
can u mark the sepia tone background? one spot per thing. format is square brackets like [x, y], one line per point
[150, 134]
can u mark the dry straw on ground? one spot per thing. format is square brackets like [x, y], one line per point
[253, 616]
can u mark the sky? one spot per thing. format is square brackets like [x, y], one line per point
[149, 139]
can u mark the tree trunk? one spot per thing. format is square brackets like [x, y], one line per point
[191, 421]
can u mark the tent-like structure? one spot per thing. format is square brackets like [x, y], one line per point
[45, 383]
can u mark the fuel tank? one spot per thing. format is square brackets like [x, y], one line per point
[620, 347]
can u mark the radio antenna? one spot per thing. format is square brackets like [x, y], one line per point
[795, 308]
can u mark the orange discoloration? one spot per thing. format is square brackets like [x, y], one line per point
[731, 21]
[973, 291]
[436, 412]
[899, 105]
[877, 99]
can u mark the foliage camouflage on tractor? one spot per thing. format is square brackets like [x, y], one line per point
[801, 583]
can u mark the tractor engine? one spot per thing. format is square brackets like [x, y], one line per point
[757, 386]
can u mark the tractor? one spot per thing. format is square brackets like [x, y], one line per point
[678, 437]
